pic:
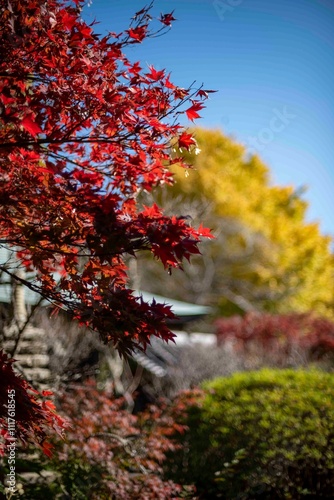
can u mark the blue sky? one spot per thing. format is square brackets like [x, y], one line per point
[272, 63]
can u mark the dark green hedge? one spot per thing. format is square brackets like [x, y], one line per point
[266, 434]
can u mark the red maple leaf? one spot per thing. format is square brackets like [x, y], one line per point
[138, 33]
[169, 84]
[47, 449]
[153, 211]
[205, 232]
[154, 74]
[167, 19]
[186, 140]
[68, 20]
[192, 111]
[204, 93]
[32, 127]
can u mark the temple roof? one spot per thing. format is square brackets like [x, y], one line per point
[184, 311]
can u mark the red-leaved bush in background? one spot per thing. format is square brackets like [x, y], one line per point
[280, 336]
[110, 453]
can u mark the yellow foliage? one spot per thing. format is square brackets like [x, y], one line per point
[240, 187]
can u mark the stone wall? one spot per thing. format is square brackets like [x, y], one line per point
[31, 355]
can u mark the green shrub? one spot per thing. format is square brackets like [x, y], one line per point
[266, 434]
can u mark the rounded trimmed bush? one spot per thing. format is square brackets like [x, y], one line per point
[266, 434]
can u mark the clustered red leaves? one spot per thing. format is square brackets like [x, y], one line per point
[33, 419]
[279, 334]
[83, 130]
[130, 449]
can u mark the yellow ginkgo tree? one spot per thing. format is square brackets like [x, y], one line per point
[266, 255]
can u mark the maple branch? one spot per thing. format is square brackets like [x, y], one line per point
[32, 287]
[28, 76]
[101, 168]
[7, 240]
[79, 140]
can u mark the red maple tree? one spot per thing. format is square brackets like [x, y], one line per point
[82, 131]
